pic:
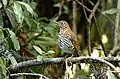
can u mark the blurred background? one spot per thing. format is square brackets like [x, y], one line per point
[28, 30]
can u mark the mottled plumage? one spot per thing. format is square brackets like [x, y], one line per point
[67, 39]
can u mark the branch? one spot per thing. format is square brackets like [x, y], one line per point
[112, 59]
[35, 63]
[93, 11]
[114, 50]
[99, 34]
[84, 11]
[101, 12]
[59, 60]
[116, 28]
[74, 17]
[115, 71]
[89, 22]
[83, 5]
[60, 10]
[27, 74]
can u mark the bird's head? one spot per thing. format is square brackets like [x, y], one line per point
[63, 24]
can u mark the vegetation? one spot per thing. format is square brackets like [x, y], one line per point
[29, 39]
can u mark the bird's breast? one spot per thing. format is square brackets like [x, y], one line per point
[66, 45]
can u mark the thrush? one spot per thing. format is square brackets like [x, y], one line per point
[67, 39]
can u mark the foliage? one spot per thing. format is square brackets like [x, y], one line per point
[25, 32]
[24, 35]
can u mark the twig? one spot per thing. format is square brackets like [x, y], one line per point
[67, 70]
[114, 50]
[112, 59]
[88, 28]
[115, 71]
[89, 22]
[88, 40]
[83, 6]
[99, 34]
[93, 11]
[74, 17]
[60, 10]
[101, 12]
[27, 74]
[84, 11]
[59, 60]
[116, 28]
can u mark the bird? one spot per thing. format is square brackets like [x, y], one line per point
[67, 39]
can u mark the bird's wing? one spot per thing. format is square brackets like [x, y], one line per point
[74, 41]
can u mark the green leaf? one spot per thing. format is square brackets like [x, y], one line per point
[39, 58]
[13, 60]
[111, 11]
[33, 5]
[28, 8]
[1, 35]
[14, 40]
[57, 5]
[2, 68]
[18, 12]
[102, 54]
[1, 19]
[45, 41]
[50, 52]
[52, 29]
[38, 49]
[4, 2]
[0, 5]
[110, 75]
[11, 16]
[32, 24]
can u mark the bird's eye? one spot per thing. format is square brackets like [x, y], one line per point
[62, 23]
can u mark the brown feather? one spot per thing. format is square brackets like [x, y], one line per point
[65, 31]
